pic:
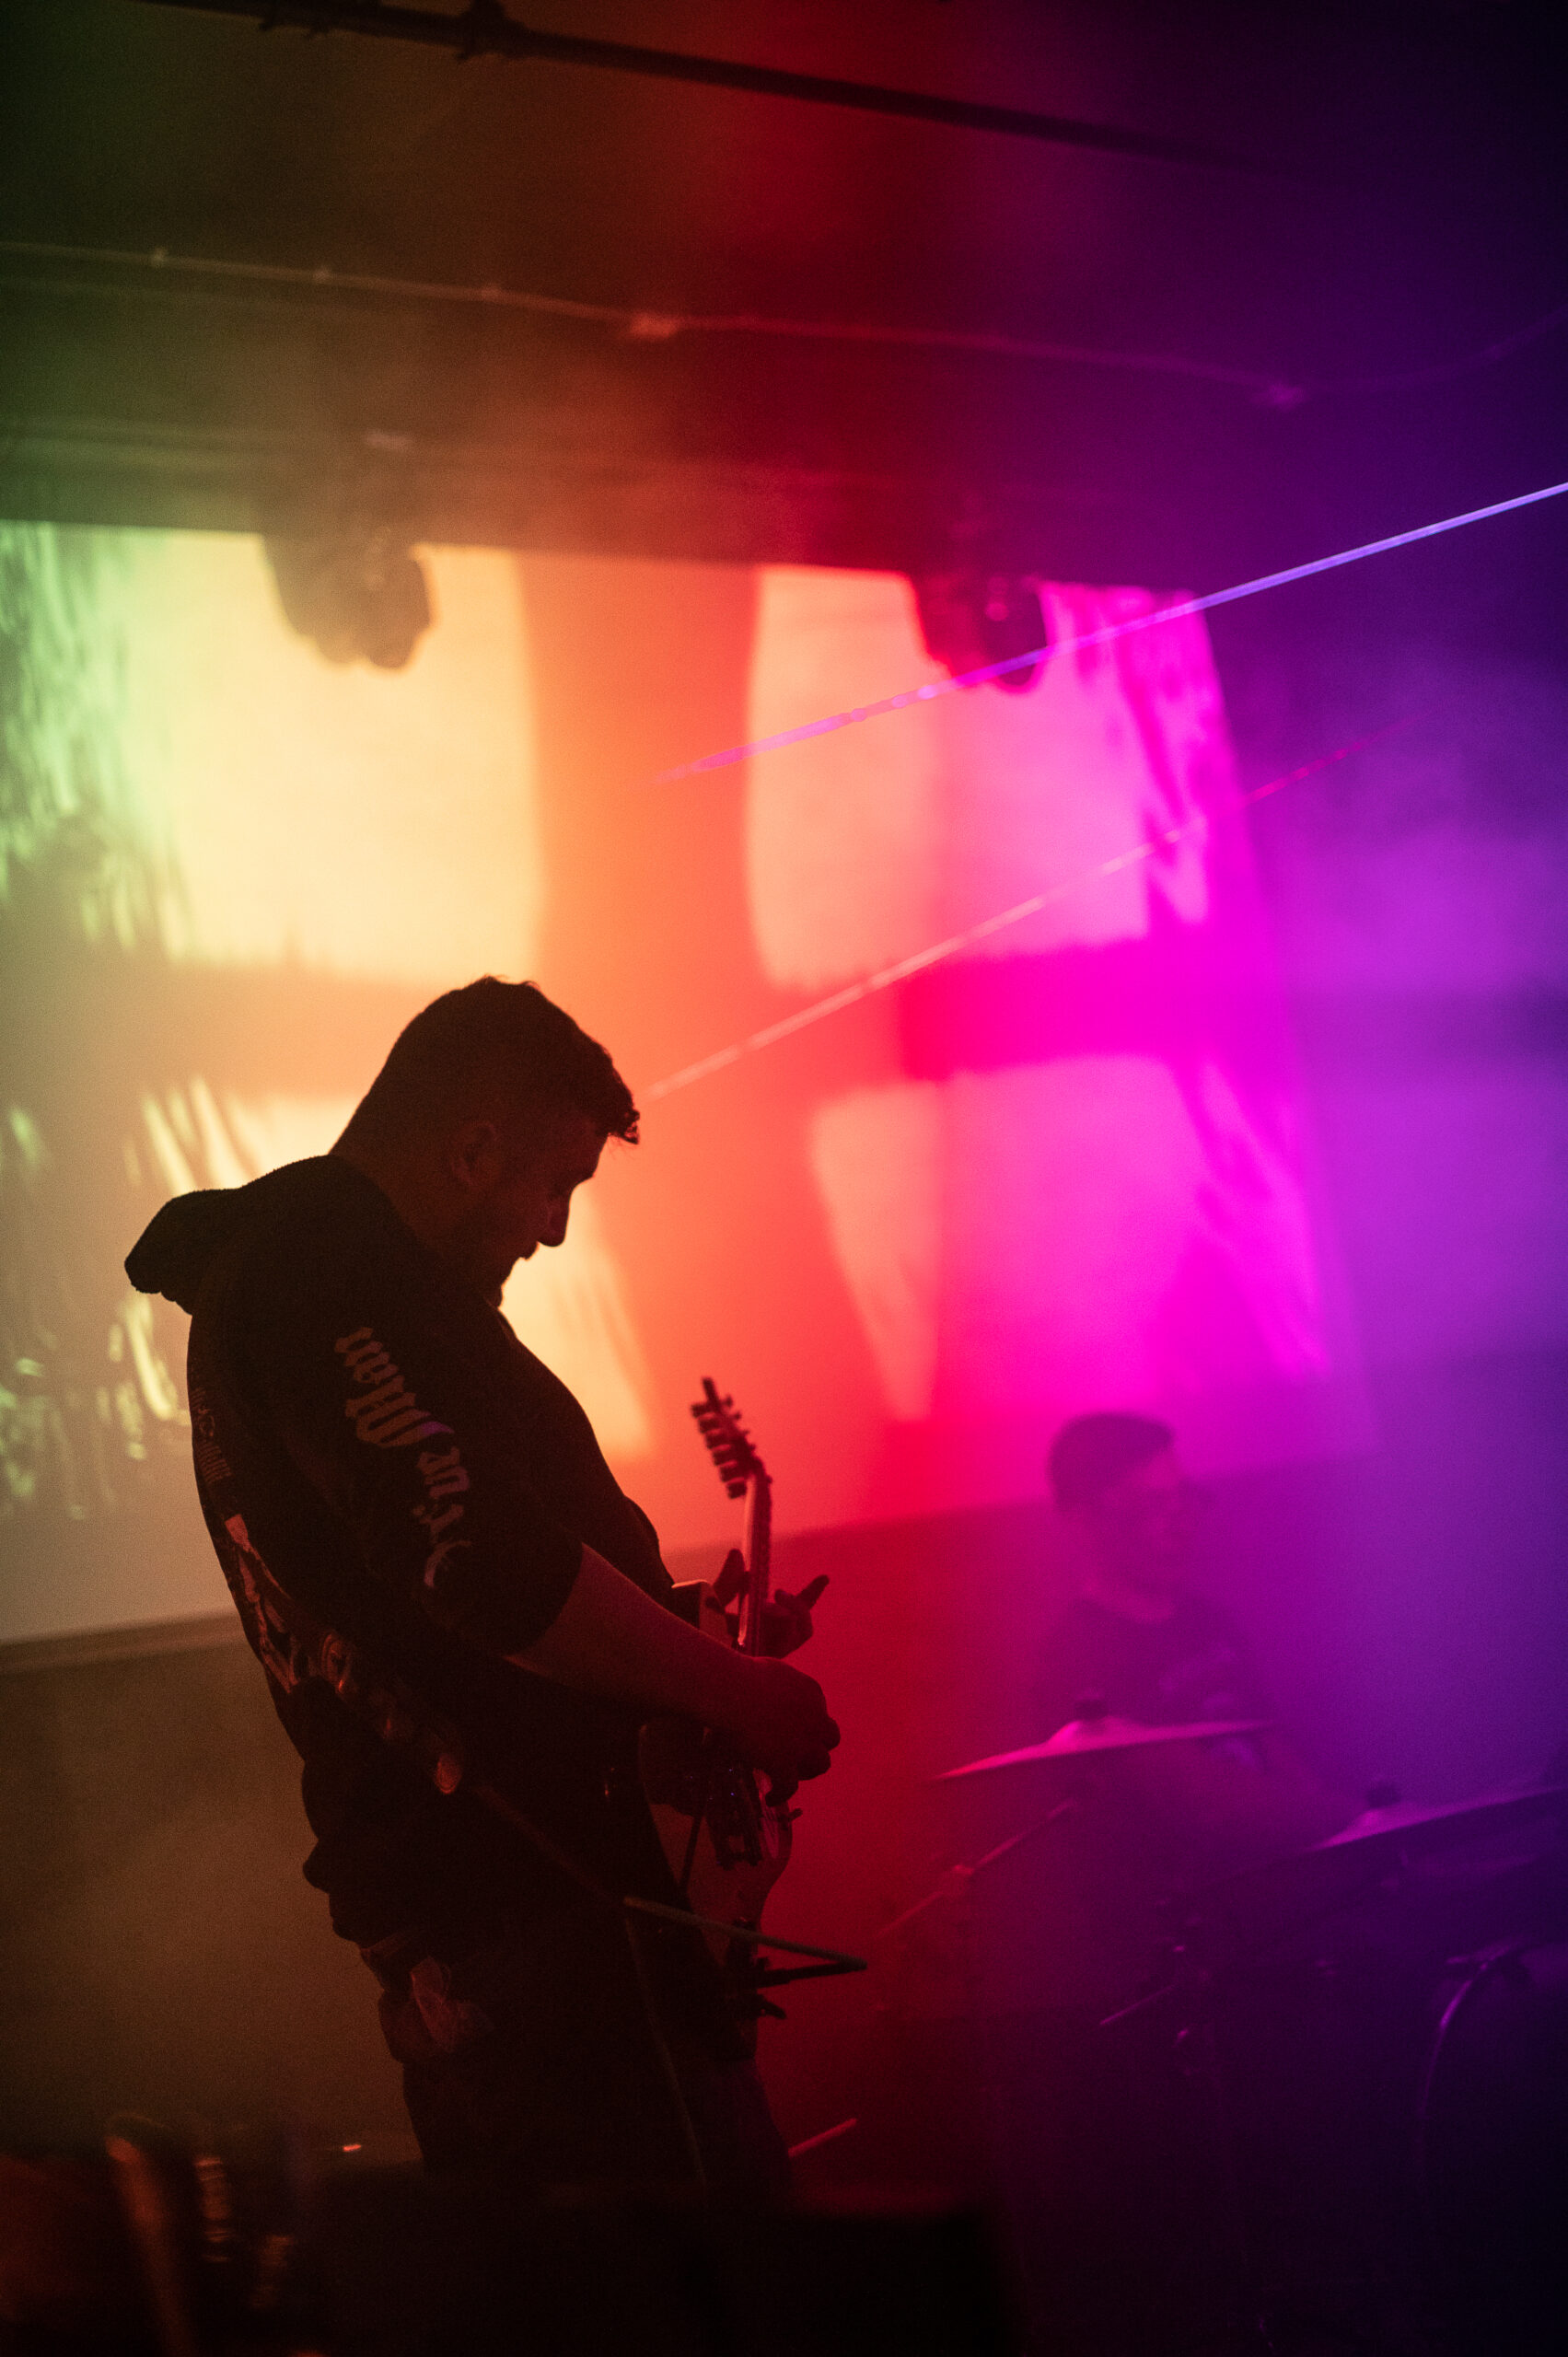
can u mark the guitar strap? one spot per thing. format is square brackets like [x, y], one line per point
[295, 1646]
[387, 1703]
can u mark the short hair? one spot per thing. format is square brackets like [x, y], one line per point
[1092, 1452]
[489, 1030]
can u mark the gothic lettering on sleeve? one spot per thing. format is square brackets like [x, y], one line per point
[385, 1414]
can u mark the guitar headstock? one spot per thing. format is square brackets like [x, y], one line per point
[729, 1443]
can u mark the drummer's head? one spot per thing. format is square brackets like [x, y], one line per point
[1119, 1486]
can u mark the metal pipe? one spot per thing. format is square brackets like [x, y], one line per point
[485, 30]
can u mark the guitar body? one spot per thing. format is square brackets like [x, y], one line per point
[726, 1841]
[726, 1844]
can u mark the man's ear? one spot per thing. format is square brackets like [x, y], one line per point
[474, 1155]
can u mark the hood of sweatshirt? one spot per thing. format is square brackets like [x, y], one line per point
[179, 1244]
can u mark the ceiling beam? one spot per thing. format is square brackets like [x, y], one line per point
[485, 30]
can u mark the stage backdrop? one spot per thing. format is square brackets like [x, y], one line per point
[1062, 1168]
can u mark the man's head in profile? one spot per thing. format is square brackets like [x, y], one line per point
[491, 1108]
[1127, 1507]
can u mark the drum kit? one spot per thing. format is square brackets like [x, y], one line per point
[1377, 2024]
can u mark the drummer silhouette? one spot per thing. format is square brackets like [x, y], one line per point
[1138, 1642]
[1135, 1641]
[1101, 2145]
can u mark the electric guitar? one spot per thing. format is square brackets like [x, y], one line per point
[727, 1839]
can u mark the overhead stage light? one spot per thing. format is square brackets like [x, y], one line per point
[972, 620]
[358, 596]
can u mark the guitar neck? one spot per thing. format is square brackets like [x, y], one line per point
[759, 1550]
[743, 1473]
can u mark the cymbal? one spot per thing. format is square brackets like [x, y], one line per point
[1407, 1817]
[1271, 1901]
[1081, 1737]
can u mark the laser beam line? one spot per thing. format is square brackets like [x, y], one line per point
[886, 977]
[931, 689]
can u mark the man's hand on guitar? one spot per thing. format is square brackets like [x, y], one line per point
[786, 1620]
[778, 1720]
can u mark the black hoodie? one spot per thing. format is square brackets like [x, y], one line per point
[372, 1432]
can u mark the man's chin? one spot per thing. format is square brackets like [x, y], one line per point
[493, 1289]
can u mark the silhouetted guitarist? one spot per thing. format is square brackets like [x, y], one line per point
[380, 1457]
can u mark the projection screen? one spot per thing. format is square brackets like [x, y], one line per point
[1062, 1166]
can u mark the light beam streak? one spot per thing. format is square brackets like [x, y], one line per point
[886, 977]
[931, 689]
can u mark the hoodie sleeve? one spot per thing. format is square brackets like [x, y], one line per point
[180, 1243]
[386, 1399]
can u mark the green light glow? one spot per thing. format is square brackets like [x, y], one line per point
[229, 870]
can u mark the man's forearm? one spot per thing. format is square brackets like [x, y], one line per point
[611, 1639]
